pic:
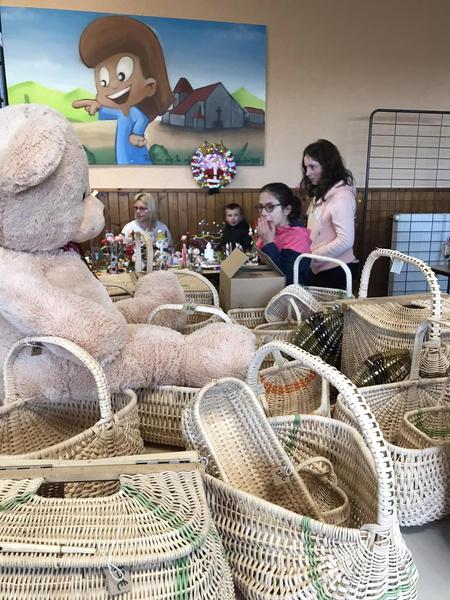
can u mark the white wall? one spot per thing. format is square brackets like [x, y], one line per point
[330, 63]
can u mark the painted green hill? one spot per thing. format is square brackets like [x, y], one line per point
[32, 92]
[245, 98]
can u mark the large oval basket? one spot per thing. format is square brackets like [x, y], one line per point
[72, 428]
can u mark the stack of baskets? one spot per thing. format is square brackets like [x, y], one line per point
[274, 551]
[72, 428]
[413, 416]
[376, 326]
[153, 538]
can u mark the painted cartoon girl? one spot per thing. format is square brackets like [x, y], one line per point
[131, 80]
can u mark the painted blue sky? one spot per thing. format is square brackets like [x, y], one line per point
[42, 45]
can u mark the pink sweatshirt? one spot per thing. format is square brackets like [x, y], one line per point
[332, 225]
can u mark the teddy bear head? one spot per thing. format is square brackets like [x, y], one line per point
[45, 199]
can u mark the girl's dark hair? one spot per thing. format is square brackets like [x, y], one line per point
[285, 197]
[333, 169]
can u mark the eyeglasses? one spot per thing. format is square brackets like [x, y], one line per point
[140, 208]
[267, 207]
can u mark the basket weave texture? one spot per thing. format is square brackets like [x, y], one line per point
[427, 428]
[371, 327]
[160, 407]
[422, 476]
[253, 318]
[156, 528]
[72, 428]
[287, 388]
[274, 551]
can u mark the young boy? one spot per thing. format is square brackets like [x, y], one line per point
[235, 230]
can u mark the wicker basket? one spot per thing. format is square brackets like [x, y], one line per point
[71, 428]
[247, 454]
[421, 475]
[427, 428]
[197, 288]
[253, 318]
[384, 367]
[372, 327]
[302, 301]
[160, 407]
[197, 315]
[287, 388]
[153, 538]
[275, 553]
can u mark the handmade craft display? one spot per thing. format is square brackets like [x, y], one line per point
[45, 203]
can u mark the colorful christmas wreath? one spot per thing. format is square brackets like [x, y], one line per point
[213, 166]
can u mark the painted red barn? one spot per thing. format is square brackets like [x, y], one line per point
[208, 107]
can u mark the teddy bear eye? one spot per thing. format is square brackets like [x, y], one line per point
[125, 68]
[104, 77]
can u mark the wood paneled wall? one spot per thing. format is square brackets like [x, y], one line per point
[182, 210]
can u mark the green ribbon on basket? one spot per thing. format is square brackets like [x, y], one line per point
[432, 433]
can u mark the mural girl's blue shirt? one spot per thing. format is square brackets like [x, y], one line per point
[135, 122]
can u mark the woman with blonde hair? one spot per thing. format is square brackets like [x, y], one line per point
[146, 220]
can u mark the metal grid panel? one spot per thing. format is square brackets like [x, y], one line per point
[408, 149]
[407, 171]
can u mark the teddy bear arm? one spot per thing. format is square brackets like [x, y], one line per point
[35, 307]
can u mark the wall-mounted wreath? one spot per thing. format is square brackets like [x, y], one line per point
[213, 166]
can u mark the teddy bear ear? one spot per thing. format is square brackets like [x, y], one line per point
[32, 146]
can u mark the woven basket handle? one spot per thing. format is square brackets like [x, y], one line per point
[84, 357]
[340, 263]
[205, 282]
[191, 308]
[292, 293]
[430, 277]
[148, 248]
[369, 428]
[255, 366]
[419, 341]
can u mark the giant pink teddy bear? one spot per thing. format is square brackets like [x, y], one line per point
[45, 202]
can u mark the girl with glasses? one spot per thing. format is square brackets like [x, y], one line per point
[281, 234]
[146, 220]
[331, 212]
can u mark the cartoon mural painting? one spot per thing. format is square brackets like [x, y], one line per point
[141, 90]
[131, 81]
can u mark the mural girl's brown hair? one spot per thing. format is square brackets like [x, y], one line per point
[118, 34]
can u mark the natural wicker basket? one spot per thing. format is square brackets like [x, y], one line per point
[197, 315]
[153, 538]
[72, 428]
[383, 367]
[253, 318]
[275, 553]
[160, 407]
[197, 288]
[373, 326]
[421, 475]
[306, 300]
[287, 388]
[427, 428]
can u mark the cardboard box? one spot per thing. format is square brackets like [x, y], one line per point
[249, 286]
